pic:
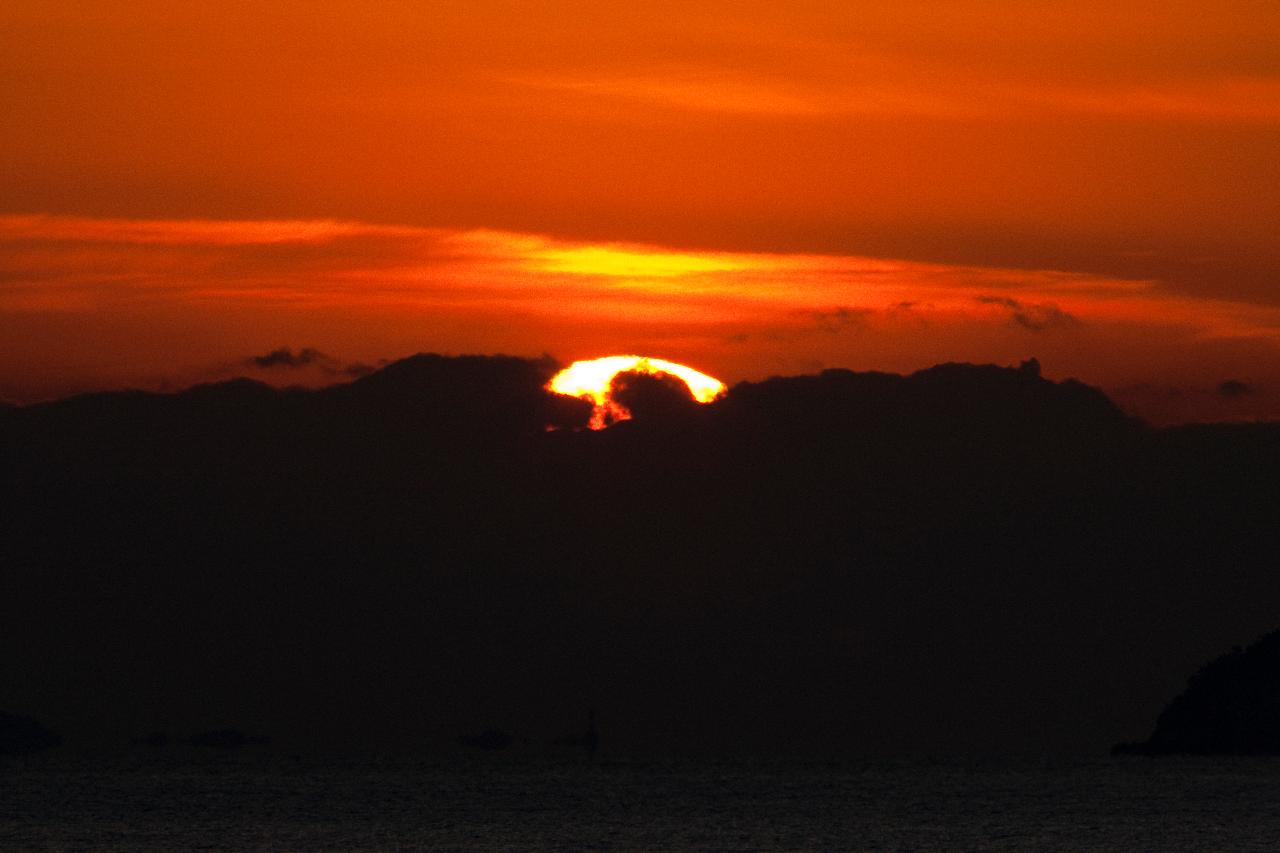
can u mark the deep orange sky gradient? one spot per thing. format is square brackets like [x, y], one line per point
[752, 188]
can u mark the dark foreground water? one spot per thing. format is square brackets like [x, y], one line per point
[1132, 804]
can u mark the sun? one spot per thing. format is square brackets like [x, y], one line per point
[592, 380]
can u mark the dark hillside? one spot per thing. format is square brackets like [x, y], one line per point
[967, 559]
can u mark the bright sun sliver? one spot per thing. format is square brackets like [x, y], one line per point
[593, 379]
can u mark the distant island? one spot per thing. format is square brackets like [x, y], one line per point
[20, 735]
[1231, 707]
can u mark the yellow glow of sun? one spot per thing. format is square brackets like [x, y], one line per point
[593, 379]
[610, 261]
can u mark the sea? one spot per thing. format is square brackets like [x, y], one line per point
[492, 804]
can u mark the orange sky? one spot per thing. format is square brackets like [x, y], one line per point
[755, 188]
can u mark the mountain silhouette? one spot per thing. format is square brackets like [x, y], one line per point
[965, 559]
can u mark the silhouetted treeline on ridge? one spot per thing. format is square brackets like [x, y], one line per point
[967, 559]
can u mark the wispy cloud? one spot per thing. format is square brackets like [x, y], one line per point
[1233, 388]
[93, 265]
[193, 232]
[286, 357]
[703, 89]
[885, 87]
[1036, 318]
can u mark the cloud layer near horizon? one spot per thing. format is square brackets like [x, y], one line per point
[106, 302]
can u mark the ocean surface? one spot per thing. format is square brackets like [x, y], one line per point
[494, 804]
